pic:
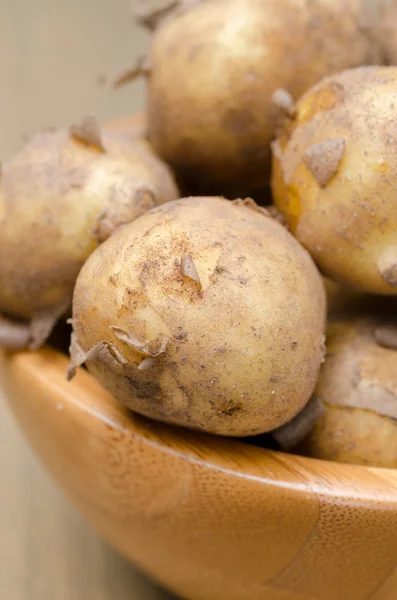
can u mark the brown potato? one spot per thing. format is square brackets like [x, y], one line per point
[205, 313]
[60, 196]
[335, 175]
[358, 388]
[215, 67]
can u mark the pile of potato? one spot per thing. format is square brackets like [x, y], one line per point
[229, 264]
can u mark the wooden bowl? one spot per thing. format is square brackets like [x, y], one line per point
[210, 518]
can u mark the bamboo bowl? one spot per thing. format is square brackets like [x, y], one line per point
[209, 518]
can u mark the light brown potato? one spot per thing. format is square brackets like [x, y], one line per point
[358, 387]
[60, 196]
[214, 68]
[205, 313]
[335, 175]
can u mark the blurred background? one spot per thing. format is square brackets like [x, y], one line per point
[52, 54]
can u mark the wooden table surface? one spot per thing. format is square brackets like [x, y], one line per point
[52, 53]
[46, 550]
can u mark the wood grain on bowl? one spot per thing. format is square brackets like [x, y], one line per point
[210, 518]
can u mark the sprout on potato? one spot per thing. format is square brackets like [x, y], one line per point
[205, 313]
[335, 176]
[210, 110]
[358, 388]
[60, 196]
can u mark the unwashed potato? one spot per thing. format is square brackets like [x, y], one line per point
[335, 176]
[214, 66]
[358, 388]
[205, 313]
[60, 196]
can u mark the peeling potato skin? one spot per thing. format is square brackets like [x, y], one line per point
[211, 114]
[358, 387]
[348, 225]
[241, 333]
[58, 198]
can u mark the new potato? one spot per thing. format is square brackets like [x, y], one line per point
[214, 66]
[358, 389]
[204, 313]
[60, 196]
[335, 177]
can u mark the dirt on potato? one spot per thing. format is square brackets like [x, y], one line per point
[214, 68]
[204, 313]
[358, 389]
[61, 195]
[335, 174]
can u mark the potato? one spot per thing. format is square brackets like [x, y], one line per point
[214, 69]
[335, 174]
[205, 313]
[60, 196]
[358, 387]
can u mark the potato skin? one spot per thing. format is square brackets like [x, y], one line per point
[242, 327]
[58, 198]
[358, 386]
[210, 110]
[335, 173]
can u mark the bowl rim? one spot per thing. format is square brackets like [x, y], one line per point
[46, 368]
